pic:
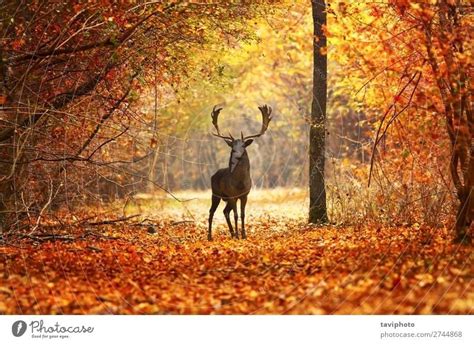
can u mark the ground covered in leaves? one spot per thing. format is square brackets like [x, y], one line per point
[165, 266]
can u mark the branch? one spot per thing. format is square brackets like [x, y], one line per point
[105, 117]
[58, 101]
[379, 137]
[108, 222]
[106, 142]
[108, 42]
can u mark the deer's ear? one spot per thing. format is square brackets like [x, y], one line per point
[229, 143]
[248, 143]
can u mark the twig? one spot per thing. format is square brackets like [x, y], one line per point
[379, 136]
[48, 237]
[107, 222]
[95, 249]
[174, 223]
[50, 199]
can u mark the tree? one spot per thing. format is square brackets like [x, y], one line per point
[317, 136]
[455, 89]
[69, 86]
[413, 62]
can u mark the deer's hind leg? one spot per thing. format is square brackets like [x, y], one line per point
[229, 206]
[215, 203]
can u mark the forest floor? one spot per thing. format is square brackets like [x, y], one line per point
[166, 266]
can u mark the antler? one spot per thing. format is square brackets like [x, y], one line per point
[215, 116]
[266, 118]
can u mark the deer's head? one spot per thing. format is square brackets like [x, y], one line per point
[239, 145]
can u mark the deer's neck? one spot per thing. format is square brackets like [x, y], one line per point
[242, 169]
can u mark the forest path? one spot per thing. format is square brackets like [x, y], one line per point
[285, 267]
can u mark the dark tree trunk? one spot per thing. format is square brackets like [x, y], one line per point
[317, 191]
[465, 213]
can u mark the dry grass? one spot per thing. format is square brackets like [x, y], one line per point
[279, 204]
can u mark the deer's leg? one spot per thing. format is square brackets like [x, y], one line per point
[215, 203]
[227, 210]
[243, 203]
[236, 219]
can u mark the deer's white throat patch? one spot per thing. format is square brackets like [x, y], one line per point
[238, 149]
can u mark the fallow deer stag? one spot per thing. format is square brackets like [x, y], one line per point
[233, 183]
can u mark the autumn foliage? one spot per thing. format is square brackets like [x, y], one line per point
[285, 267]
[106, 157]
[416, 68]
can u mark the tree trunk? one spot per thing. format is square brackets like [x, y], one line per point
[7, 153]
[465, 213]
[458, 114]
[317, 191]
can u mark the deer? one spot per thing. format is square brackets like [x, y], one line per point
[233, 183]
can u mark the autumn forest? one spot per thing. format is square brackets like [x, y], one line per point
[236, 157]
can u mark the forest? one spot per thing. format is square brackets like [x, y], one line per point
[334, 140]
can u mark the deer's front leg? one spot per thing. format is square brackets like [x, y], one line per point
[243, 203]
[215, 203]
[236, 220]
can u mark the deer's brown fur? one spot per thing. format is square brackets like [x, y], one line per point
[234, 183]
